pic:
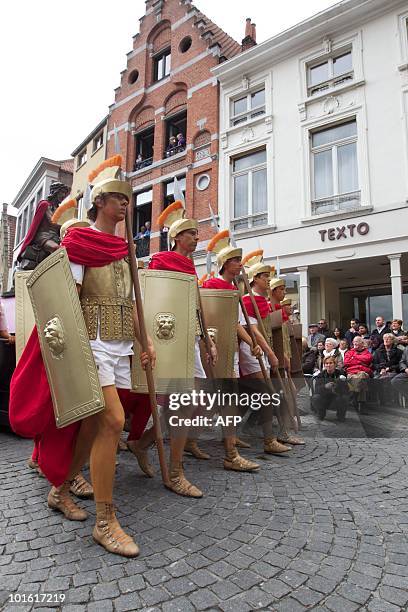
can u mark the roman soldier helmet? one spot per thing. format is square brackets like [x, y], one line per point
[174, 218]
[286, 302]
[106, 178]
[276, 282]
[220, 245]
[254, 264]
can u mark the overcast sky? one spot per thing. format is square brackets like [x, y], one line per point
[61, 62]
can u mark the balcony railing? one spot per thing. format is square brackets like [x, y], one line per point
[170, 151]
[142, 246]
[143, 163]
[345, 201]
[257, 220]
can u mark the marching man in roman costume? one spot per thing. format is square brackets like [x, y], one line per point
[100, 267]
[259, 275]
[183, 239]
[229, 266]
[277, 291]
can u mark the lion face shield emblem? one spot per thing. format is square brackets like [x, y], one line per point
[54, 337]
[165, 325]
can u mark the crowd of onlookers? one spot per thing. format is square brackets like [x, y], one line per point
[175, 144]
[340, 365]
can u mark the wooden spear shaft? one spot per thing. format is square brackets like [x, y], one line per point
[143, 338]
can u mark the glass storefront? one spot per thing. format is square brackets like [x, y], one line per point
[367, 304]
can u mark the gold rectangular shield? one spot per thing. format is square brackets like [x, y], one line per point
[170, 306]
[221, 317]
[24, 312]
[71, 371]
[277, 336]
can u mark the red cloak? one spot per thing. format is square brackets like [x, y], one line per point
[261, 302]
[217, 283]
[31, 410]
[172, 262]
[276, 307]
[40, 211]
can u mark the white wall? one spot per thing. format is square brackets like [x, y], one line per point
[378, 97]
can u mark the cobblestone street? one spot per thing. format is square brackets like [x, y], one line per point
[324, 528]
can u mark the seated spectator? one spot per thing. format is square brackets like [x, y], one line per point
[386, 360]
[330, 390]
[343, 347]
[319, 355]
[324, 329]
[338, 334]
[181, 141]
[352, 332]
[378, 333]
[400, 381]
[314, 336]
[358, 367]
[363, 331]
[396, 329]
[172, 146]
[308, 358]
[387, 357]
[368, 344]
[331, 349]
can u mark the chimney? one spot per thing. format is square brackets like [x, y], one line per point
[250, 35]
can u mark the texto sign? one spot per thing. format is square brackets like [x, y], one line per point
[344, 231]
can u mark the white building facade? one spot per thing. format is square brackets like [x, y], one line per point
[314, 159]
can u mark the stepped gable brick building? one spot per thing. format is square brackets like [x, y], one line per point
[165, 115]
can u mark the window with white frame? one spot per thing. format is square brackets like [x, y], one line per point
[249, 178]
[330, 72]
[248, 107]
[97, 142]
[31, 212]
[82, 158]
[80, 207]
[162, 65]
[334, 168]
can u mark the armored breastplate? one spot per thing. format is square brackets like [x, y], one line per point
[106, 298]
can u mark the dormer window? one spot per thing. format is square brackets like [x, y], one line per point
[333, 71]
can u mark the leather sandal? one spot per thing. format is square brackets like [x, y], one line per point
[273, 447]
[142, 457]
[60, 499]
[109, 534]
[234, 461]
[179, 484]
[81, 488]
[241, 444]
[292, 440]
[193, 448]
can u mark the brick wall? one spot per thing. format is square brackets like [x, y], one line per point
[191, 86]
